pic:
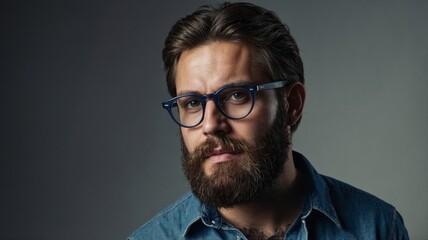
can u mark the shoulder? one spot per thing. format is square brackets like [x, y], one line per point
[354, 197]
[172, 222]
[358, 209]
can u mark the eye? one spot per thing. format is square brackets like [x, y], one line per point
[192, 103]
[236, 96]
[189, 103]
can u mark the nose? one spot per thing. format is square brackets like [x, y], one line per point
[214, 123]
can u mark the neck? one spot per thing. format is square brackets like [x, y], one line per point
[275, 210]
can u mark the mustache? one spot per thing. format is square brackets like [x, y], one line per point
[205, 149]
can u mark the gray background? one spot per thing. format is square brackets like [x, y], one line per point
[87, 152]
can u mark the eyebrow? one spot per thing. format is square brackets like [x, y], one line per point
[234, 83]
[189, 92]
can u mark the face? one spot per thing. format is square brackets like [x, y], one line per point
[230, 159]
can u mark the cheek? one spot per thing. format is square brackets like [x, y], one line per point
[250, 127]
[264, 111]
[190, 139]
[263, 116]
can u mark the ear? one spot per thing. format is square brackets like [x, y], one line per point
[295, 100]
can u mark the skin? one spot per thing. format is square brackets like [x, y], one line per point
[206, 68]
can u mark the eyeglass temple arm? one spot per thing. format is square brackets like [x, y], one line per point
[271, 85]
[166, 105]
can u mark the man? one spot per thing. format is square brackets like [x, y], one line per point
[236, 78]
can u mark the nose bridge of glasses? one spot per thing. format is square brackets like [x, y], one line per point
[213, 97]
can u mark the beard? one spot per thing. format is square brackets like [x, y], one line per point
[234, 182]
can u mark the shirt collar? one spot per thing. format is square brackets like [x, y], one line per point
[318, 198]
[203, 216]
[193, 214]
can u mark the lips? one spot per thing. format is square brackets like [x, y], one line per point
[219, 155]
[219, 151]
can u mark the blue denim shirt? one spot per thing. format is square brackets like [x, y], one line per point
[332, 210]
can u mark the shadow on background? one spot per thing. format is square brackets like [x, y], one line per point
[88, 153]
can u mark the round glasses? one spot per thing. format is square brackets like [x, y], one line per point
[233, 101]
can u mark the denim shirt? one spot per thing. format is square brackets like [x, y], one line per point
[332, 210]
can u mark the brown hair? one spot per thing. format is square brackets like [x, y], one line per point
[277, 51]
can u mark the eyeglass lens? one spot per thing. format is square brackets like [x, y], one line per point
[234, 102]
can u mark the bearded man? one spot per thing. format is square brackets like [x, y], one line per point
[236, 78]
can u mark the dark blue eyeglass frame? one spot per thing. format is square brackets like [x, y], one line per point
[252, 89]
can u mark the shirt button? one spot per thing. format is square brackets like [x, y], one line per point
[213, 222]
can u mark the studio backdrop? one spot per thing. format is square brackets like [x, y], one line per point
[87, 152]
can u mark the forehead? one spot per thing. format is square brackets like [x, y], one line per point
[210, 66]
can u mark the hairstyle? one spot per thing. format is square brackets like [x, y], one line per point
[277, 52]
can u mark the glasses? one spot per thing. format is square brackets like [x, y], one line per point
[233, 101]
